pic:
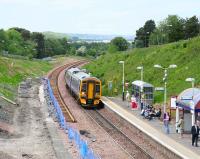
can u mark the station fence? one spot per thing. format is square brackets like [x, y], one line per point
[73, 135]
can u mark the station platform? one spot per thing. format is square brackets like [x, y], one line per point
[154, 128]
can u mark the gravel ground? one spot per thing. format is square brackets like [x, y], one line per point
[24, 133]
[97, 139]
[136, 135]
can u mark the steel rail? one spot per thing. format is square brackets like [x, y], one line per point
[53, 77]
[114, 130]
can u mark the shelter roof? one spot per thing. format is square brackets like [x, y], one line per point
[190, 96]
[141, 83]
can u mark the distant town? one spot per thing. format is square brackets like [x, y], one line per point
[73, 37]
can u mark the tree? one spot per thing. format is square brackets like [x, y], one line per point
[120, 43]
[92, 52]
[24, 33]
[191, 27]
[3, 40]
[143, 33]
[149, 27]
[38, 38]
[81, 51]
[174, 28]
[15, 42]
[140, 35]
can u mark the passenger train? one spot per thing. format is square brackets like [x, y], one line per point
[85, 88]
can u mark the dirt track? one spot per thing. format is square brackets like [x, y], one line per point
[23, 131]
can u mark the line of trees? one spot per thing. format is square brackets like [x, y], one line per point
[171, 29]
[19, 41]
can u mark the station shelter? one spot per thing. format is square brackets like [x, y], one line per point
[189, 102]
[143, 92]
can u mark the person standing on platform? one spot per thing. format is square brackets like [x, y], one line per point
[181, 126]
[128, 98]
[166, 120]
[133, 103]
[195, 134]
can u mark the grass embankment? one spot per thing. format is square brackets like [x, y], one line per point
[185, 54]
[13, 71]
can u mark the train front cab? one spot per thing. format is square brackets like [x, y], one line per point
[90, 93]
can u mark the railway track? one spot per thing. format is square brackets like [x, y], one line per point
[53, 77]
[129, 146]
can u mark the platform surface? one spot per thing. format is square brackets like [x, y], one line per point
[154, 128]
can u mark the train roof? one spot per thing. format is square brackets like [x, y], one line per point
[79, 74]
[73, 70]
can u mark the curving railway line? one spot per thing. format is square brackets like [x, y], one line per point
[53, 77]
[113, 129]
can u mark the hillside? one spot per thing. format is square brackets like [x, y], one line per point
[13, 71]
[185, 54]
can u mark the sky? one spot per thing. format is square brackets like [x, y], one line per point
[108, 17]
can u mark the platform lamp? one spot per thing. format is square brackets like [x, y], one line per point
[122, 62]
[165, 80]
[142, 71]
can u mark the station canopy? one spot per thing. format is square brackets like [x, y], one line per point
[141, 83]
[188, 98]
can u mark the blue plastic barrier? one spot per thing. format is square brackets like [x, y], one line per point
[84, 150]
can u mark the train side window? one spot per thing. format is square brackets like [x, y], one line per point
[97, 88]
[84, 87]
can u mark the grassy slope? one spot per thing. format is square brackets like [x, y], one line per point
[185, 54]
[13, 71]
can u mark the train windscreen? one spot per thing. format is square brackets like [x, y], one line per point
[97, 88]
[84, 87]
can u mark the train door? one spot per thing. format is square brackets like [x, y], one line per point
[90, 90]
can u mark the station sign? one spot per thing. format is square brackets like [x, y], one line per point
[159, 89]
[186, 97]
[173, 102]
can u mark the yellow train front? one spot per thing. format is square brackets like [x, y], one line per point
[85, 88]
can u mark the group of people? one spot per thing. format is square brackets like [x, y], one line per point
[149, 112]
[194, 129]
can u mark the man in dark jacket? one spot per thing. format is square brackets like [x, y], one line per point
[195, 134]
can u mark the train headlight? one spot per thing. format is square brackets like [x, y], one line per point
[83, 94]
[97, 95]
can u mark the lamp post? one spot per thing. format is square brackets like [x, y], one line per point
[165, 80]
[122, 62]
[142, 71]
[192, 80]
